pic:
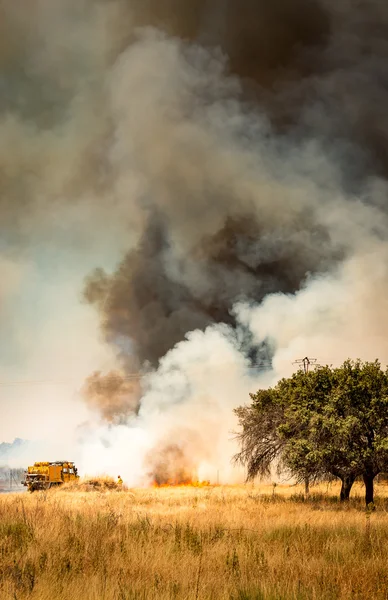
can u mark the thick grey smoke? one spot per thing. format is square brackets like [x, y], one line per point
[190, 165]
[240, 156]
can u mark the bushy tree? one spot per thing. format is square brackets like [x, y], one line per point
[261, 444]
[326, 423]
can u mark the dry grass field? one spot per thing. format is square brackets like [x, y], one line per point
[237, 543]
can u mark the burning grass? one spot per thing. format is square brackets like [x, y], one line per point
[185, 542]
[188, 483]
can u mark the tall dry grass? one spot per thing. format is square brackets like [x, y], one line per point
[234, 543]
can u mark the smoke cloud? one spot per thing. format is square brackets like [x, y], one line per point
[171, 465]
[114, 396]
[194, 192]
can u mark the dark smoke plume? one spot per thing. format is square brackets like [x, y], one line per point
[113, 395]
[240, 261]
[317, 66]
[264, 42]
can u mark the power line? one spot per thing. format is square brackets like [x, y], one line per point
[33, 382]
[263, 366]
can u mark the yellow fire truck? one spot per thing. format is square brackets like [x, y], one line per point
[44, 475]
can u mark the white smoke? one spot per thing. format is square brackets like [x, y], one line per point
[201, 381]
[336, 316]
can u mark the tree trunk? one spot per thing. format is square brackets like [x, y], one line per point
[368, 480]
[307, 486]
[347, 484]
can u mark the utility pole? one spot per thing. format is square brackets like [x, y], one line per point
[306, 362]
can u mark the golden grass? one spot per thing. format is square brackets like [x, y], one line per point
[92, 484]
[237, 543]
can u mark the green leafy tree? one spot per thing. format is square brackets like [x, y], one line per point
[327, 423]
[277, 419]
[350, 434]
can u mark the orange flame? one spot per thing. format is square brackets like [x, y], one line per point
[187, 483]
